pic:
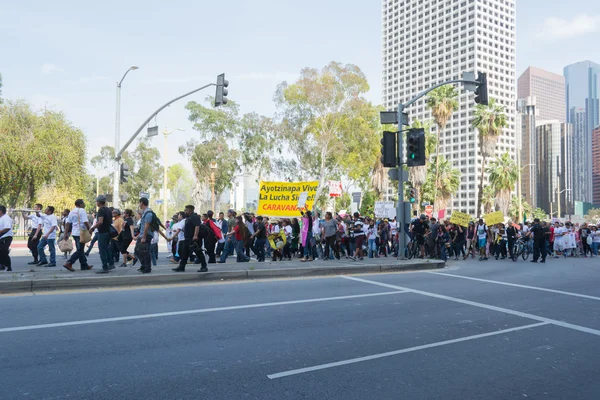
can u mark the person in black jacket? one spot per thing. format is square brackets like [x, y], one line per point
[511, 237]
[539, 241]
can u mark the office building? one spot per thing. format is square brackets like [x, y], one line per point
[554, 167]
[549, 91]
[596, 164]
[582, 107]
[527, 147]
[426, 42]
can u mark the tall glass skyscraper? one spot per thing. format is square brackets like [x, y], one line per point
[583, 111]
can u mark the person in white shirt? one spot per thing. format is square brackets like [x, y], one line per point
[76, 221]
[35, 233]
[6, 236]
[50, 224]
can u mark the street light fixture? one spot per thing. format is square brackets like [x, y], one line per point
[213, 166]
[166, 134]
[117, 178]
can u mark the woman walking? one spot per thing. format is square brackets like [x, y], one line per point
[126, 237]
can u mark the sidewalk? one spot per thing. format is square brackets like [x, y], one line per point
[29, 279]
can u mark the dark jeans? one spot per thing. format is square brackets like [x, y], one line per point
[115, 250]
[4, 252]
[209, 244]
[94, 240]
[103, 247]
[539, 248]
[32, 243]
[154, 253]
[143, 253]
[459, 247]
[259, 249]
[239, 249]
[79, 254]
[185, 252]
[331, 242]
[511, 245]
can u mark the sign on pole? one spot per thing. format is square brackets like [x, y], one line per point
[302, 200]
[429, 210]
[356, 197]
[144, 194]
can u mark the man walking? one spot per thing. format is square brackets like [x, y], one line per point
[144, 238]
[6, 237]
[190, 242]
[76, 221]
[539, 241]
[261, 239]
[223, 225]
[50, 224]
[35, 234]
[104, 220]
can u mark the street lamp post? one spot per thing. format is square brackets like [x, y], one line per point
[166, 134]
[117, 176]
[213, 166]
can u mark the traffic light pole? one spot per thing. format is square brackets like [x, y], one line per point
[401, 210]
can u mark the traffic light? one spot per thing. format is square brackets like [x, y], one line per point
[415, 147]
[412, 195]
[124, 173]
[388, 149]
[221, 94]
[481, 91]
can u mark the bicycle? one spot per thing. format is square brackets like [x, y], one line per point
[414, 250]
[520, 248]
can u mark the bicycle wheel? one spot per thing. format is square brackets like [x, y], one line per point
[409, 250]
[515, 253]
[525, 253]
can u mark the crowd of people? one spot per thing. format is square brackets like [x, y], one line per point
[208, 239]
[446, 240]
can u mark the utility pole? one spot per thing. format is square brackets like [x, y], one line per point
[117, 171]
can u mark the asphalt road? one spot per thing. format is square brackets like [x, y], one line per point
[477, 330]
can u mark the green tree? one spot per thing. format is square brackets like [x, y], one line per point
[37, 150]
[442, 102]
[449, 182]
[259, 144]
[489, 122]
[181, 184]
[593, 215]
[328, 125]
[488, 199]
[513, 209]
[503, 175]
[539, 213]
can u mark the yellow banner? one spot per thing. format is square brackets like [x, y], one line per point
[280, 199]
[460, 218]
[494, 218]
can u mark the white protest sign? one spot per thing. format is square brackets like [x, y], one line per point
[302, 200]
[384, 209]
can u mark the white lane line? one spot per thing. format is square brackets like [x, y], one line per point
[482, 305]
[402, 351]
[585, 296]
[187, 312]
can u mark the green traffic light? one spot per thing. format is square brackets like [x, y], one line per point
[412, 156]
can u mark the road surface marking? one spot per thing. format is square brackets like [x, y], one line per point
[402, 351]
[187, 312]
[585, 296]
[482, 305]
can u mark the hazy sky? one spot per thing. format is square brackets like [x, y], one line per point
[68, 55]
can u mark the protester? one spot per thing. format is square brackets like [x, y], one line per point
[102, 225]
[6, 237]
[76, 221]
[35, 233]
[50, 224]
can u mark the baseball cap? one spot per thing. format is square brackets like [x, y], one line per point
[423, 216]
[101, 199]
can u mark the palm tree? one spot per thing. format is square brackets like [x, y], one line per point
[442, 102]
[489, 121]
[449, 181]
[488, 199]
[503, 173]
[418, 175]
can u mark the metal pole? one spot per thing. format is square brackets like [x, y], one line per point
[519, 187]
[400, 208]
[165, 160]
[117, 177]
[212, 182]
[120, 153]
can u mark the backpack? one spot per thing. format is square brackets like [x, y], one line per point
[155, 222]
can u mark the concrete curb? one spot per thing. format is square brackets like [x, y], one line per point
[34, 285]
